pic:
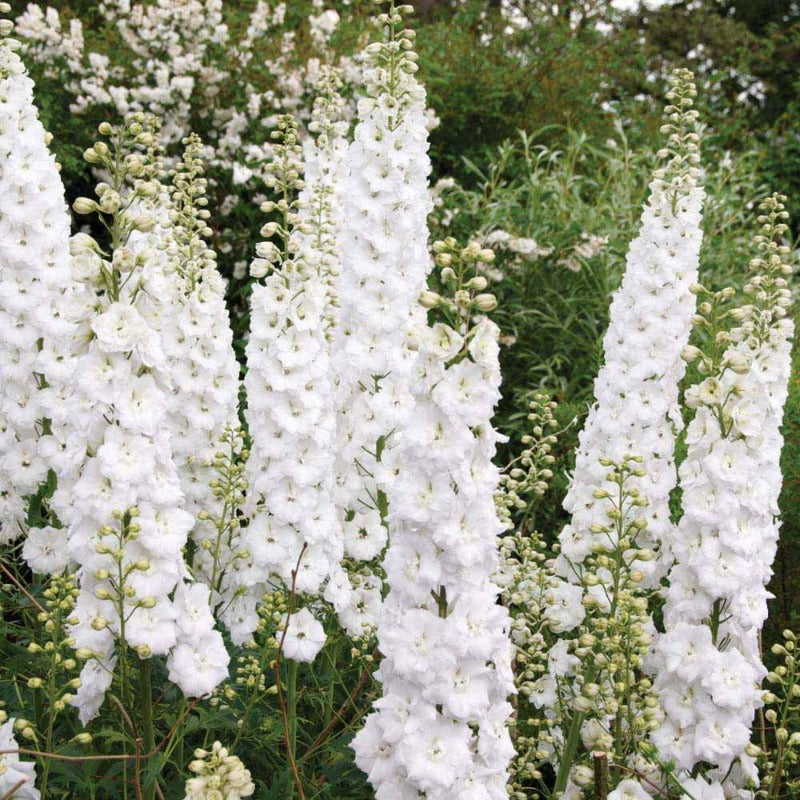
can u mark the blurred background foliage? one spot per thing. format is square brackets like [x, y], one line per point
[549, 121]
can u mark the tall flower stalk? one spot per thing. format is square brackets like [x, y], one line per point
[708, 661]
[34, 312]
[636, 410]
[440, 727]
[185, 303]
[292, 536]
[385, 264]
[119, 492]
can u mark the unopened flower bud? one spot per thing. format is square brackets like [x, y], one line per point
[486, 302]
[85, 205]
[429, 299]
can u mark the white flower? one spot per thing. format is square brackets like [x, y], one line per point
[45, 550]
[199, 665]
[17, 777]
[629, 789]
[304, 636]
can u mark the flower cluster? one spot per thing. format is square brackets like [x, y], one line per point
[179, 270]
[383, 247]
[708, 662]
[440, 727]
[34, 250]
[650, 320]
[219, 775]
[292, 533]
[119, 492]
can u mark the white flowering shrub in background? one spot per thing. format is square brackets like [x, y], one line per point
[180, 60]
[320, 567]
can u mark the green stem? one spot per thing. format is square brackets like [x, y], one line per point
[291, 712]
[51, 718]
[146, 687]
[568, 754]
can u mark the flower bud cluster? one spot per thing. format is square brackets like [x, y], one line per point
[52, 658]
[220, 552]
[441, 725]
[219, 775]
[34, 318]
[580, 648]
[682, 170]
[781, 735]
[528, 474]
[637, 388]
[254, 672]
[708, 663]
[383, 250]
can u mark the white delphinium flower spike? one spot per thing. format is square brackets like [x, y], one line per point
[290, 408]
[34, 321]
[708, 665]
[636, 410]
[385, 264]
[118, 489]
[188, 309]
[440, 727]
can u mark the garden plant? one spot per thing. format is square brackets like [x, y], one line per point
[342, 458]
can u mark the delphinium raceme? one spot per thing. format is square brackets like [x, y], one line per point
[119, 493]
[440, 729]
[34, 309]
[636, 392]
[385, 263]
[708, 662]
[191, 316]
[292, 535]
[589, 602]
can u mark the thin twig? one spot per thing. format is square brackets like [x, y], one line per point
[337, 715]
[10, 793]
[13, 579]
[25, 751]
[137, 784]
[124, 713]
